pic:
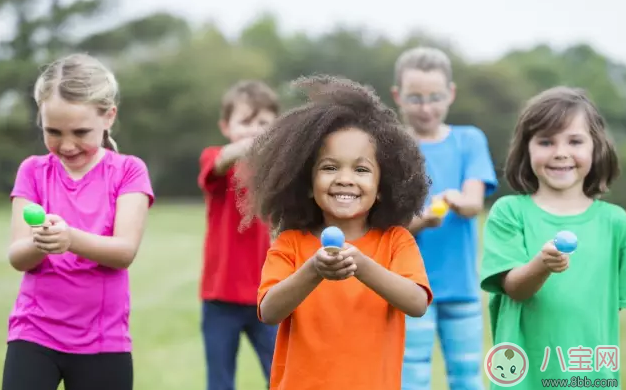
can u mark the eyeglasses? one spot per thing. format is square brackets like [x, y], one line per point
[421, 99]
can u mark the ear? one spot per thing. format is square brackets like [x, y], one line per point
[395, 94]
[110, 116]
[452, 92]
[223, 125]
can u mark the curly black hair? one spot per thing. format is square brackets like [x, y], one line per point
[278, 173]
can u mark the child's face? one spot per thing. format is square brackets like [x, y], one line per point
[424, 99]
[74, 132]
[243, 124]
[346, 176]
[562, 161]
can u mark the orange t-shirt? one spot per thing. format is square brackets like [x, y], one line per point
[343, 336]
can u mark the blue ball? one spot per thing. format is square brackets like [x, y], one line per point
[332, 237]
[566, 242]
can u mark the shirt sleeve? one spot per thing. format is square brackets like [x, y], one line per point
[503, 245]
[207, 181]
[25, 185]
[136, 179]
[621, 223]
[622, 276]
[407, 260]
[280, 262]
[479, 165]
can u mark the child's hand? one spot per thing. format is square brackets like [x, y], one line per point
[333, 267]
[554, 260]
[53, 237]
[351, 252]
[429, 219]
[454, 198]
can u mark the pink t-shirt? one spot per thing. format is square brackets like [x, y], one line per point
[68, 303]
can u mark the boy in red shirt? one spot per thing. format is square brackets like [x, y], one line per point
[233, 259]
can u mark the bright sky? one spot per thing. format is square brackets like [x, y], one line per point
[481, 29]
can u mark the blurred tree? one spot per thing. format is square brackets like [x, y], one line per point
[42, 31]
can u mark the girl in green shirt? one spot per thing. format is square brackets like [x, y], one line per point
[554, 316]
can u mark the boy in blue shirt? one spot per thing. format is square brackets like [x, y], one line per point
[462, 173]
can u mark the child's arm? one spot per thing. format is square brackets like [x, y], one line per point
[285, 296]
[524, 281]
[505, 268]
[405, 284]
[120, 250]
[230, 154]
[23, 254]
[470, 201]
[402, 293]
[479, 175]
[419, 223]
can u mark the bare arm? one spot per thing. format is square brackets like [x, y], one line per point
[400, 292]
[284, 297]
[471, 200]
[230, 154]
[23, 254]
[120, 250]
[523, 282]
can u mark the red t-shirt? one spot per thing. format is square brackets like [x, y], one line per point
[232, 259]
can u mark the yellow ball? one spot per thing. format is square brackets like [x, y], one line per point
[439, 208]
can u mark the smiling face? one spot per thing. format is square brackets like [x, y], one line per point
[424, 99]
[74, 132]
[346, 177]
[562, 160]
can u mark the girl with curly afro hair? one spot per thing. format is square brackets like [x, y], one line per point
[342, 159]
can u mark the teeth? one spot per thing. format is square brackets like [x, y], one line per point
[346, 197]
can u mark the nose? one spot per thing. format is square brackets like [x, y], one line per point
[562, 151]
[66, 146]
[344, 177]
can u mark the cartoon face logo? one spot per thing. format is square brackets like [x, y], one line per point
[506, 364]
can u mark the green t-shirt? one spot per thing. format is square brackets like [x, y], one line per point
[576, 308]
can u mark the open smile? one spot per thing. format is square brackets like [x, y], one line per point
[345, 197]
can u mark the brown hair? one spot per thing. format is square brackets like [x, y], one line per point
[279, 166]
[253, 92]
[425, 59]
[551, 111]
[80, 78]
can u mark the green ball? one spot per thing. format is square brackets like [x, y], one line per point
[34, 214]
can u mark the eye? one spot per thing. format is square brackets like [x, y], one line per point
[512, 369]
[328, 168]
[53, 132]
[576, 142]
[544, 142]
[81, 133]
[362, 170]
[500, 367]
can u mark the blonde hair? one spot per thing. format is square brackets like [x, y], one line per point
[80, 78]
[425, 59]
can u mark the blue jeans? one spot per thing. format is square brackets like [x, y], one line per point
[460, 329]
[222, 325]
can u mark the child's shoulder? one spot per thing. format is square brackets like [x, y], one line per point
[612, 211]
[123, 162]
[508, 204]
[468, 132]
[36, 161]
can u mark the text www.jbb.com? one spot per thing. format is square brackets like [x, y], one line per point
[577, 381]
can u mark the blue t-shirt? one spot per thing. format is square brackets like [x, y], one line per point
[450, 251]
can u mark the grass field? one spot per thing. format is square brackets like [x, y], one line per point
[165, 317]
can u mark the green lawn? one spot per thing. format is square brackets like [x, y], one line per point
[165, 306]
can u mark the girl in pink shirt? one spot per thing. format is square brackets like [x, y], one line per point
[70, 318]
